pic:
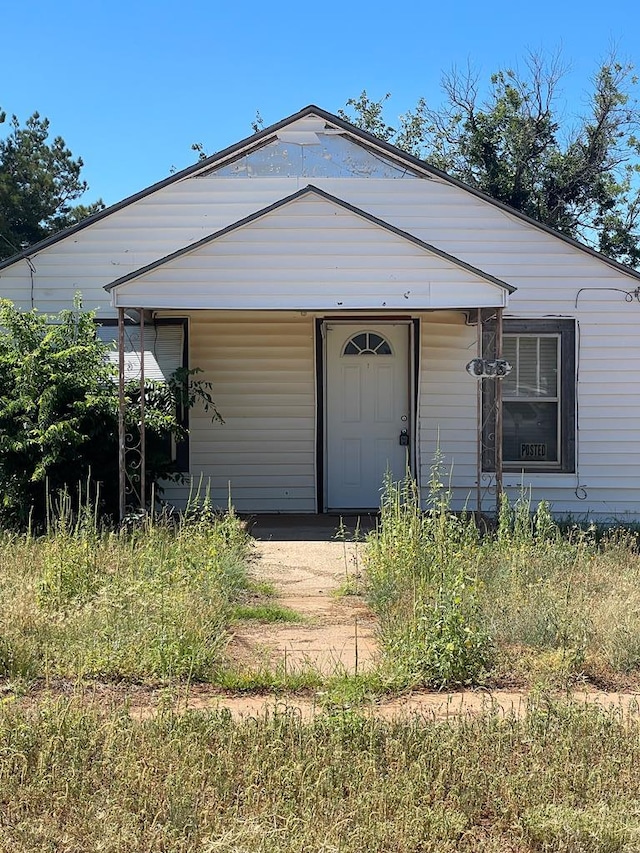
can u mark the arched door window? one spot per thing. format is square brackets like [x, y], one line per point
[367, 343]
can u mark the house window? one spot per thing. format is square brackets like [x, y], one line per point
[165, 350]
[538, 398]
[531, 400]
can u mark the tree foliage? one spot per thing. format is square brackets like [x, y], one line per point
[39, 181]
[59, 412]
[577, 173]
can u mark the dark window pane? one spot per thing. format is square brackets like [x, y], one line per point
[379, 345]
[351, 349]
[360, 340]
[530, 432]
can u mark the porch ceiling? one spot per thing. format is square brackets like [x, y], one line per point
[309, 251]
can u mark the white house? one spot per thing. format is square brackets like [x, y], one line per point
[330, 285]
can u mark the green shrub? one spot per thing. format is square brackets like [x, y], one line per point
[59, 413]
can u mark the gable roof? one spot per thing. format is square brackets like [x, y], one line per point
[310, 189]
[258, 139]
[419, 259]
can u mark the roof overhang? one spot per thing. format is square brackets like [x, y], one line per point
[309, 251]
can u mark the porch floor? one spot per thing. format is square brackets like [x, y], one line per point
[310, 528]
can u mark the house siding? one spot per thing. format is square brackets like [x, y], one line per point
[538, 264]
[310, 253]
[262, 364]
[447, 402]
[263, 375]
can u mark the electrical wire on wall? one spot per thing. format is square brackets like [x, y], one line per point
[32, 270]
[580, 490]
[629, 295]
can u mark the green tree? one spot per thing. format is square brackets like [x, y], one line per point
[59, 412]
[39, 181]
[519, 144]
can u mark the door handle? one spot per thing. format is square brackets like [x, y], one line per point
[404, 438]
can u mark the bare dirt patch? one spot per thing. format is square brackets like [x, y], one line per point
[145, 702]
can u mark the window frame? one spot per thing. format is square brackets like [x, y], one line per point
[180, 450]
[565, 331]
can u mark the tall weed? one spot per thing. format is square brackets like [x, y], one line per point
[451, 602]
[149, 603]
[422, 584]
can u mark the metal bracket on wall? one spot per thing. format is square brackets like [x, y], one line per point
[131, 431]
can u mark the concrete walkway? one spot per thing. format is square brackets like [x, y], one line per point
[309, 561]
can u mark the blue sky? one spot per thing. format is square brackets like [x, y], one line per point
[131, 85]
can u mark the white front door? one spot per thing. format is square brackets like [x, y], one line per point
[367, 409]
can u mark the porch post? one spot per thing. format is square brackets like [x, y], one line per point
[122, 438]
[143, 501]
[498, 404]
[479, 419]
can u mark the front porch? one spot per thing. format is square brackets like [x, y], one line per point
[273, 453]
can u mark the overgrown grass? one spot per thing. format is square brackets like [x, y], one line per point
[573, 596]
[268, 612]
[528, 602]
[422, 583]
[525, 605]
[560, 778]
[150, 603]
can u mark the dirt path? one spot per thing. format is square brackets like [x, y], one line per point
[337, 633]
[145, 702]
[419, 704]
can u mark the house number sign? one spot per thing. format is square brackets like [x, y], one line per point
[483, 368]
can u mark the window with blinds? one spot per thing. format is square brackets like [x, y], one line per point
[531, 400]
[538, 396]
[163, 347]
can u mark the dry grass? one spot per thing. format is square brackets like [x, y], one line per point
[560, 779]
[152, 603]
[529, 604]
